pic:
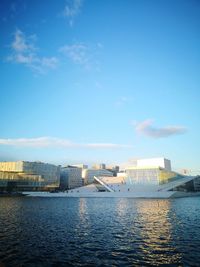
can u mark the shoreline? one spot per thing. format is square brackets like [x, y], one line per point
[12, 194]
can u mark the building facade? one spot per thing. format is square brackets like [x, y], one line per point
[88, 174]
[197, 183]
[25, 175]
[99, 166]
[113, 169]
[154, 171]
[152, 163]
[81, 165]
[71, 177]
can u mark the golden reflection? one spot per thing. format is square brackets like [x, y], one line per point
[121, 207]
[156, 232]
[82, 209]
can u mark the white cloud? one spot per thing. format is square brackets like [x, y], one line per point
[72, 9]
[146, 128]
[20, 43]
[106, 145]
[42, 142]
[82, 54]
[77, 53]
[23, 59]
[13, 9]
[23, 51]
[50, 62]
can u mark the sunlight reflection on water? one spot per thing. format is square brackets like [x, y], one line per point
[99, 232]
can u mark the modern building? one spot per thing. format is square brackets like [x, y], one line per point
[81, 165]
[197, 183]
[113, 169]
[71, 177]
[155, 171]
[122, 174]
[88, 174]
[25, 175]
[99, 166]
[152, 162]
[151, 178]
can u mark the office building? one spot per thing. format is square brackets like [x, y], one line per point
[113, 169]
[81, 165]
[25, 175]
[71, 177]
[99, 166]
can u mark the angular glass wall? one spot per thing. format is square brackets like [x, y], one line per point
[143, 176]
[168, 176]
[151, 176]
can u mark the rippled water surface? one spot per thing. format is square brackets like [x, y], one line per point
[99, 232]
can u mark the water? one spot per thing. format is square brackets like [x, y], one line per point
[99, 232]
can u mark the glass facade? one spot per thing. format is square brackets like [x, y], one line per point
[49, 172]
[24, 175]
[71, 177]
[20, 181]
[168, 176]
[150, 176]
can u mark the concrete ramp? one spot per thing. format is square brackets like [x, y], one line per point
[109, 189]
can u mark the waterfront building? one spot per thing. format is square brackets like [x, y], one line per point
[71, 177]
[151, 172]
[88, 174]
[151, 178]
[100, 166]
[197, 183]
[152, 162]
[113, 169]
[81, 165]
[121, 174]
[25, 175]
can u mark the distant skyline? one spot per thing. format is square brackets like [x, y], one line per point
[100, 81]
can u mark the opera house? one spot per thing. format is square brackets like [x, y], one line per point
[145, 178]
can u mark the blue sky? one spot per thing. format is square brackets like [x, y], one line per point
[100, 81]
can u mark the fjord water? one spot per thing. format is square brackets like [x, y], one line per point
[99, 232]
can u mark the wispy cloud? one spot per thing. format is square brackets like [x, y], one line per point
[13, 9]
[20, 43]
[72, 9]
[78, 54]
[122, 101]
[24, 51]
[146, 127]
[42, 142]
[82, 54]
